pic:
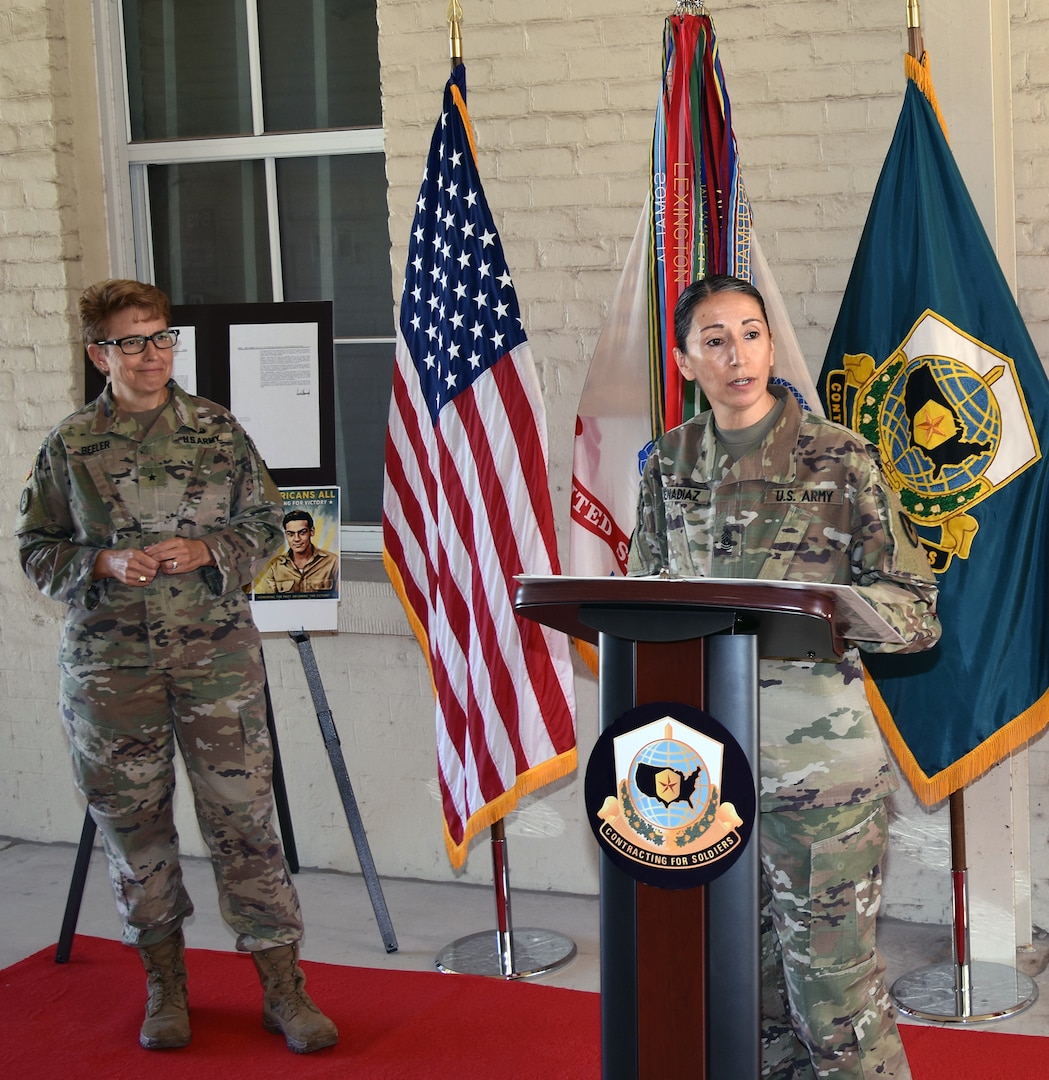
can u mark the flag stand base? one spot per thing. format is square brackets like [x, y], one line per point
[505, 953]
[963, 992]
[534, 952]
[986, 992]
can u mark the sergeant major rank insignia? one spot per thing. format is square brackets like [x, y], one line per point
[951, 422]
[670, 795]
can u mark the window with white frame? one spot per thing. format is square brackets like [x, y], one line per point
[245, 154]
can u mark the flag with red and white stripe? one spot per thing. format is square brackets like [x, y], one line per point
[466, 500]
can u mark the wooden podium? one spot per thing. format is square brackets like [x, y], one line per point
[680, 968]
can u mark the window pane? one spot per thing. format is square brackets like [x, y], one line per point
[320, 64]
[363, 376]
[187, 68]
[335, 244]
[210, 241]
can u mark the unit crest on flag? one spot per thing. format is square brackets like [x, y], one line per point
[951, 422]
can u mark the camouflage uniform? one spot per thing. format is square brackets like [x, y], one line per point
[807, 505]
[317, 576]
[178, 659]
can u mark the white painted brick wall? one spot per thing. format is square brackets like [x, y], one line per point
[36, 798]
[1030, 60]
[562, 98]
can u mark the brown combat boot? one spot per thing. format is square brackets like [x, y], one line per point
[286, 1007]
[166, 1026]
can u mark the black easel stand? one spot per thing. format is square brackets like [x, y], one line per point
[280, 789]
[76, 890]
[87, 839]
[342, 778]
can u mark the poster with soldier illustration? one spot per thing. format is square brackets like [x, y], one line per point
[298, 589]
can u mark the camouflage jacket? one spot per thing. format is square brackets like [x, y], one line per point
[100, 481]
[808, 505]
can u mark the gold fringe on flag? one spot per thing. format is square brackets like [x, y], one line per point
[545, 773]
[587, 653]
[553, 769]
[414, 621]
[996, 747]
[467, 123]
[919, 73]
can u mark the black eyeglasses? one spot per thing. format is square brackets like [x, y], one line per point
[136, 343]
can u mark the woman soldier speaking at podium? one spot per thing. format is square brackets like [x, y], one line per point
[755, 488]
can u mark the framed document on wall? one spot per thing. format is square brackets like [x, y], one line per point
[272, 365]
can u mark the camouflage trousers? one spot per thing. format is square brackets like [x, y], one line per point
[825, 1009]
[122, 725]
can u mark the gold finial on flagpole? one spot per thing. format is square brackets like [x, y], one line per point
[915, 45]
[455, 32]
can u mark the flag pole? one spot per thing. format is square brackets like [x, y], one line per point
[944, 992]
[504, 952]
[965, 992]
[455, 33]
[915, 45]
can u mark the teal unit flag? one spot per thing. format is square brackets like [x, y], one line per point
[931, 362]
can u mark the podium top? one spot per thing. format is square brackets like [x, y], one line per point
[792, 619]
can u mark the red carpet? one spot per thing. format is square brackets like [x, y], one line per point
[79, 1021]
[971, 1054]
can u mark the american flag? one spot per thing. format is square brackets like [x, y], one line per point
[466, 501]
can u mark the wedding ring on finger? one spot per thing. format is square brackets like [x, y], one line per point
[174, 564]
[142, 578]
